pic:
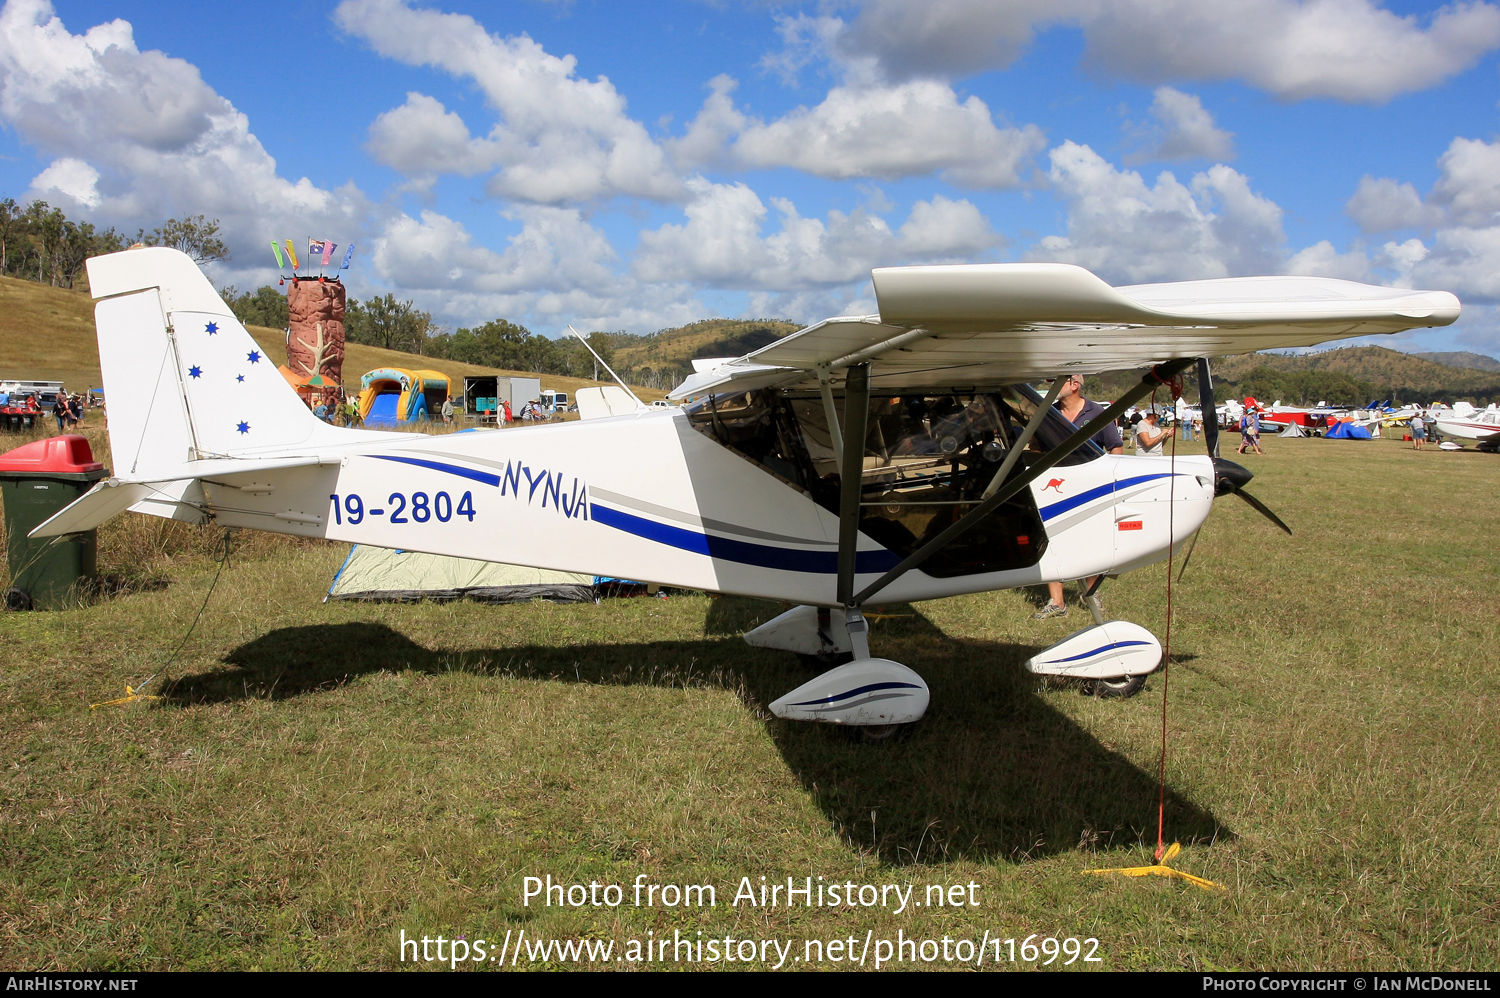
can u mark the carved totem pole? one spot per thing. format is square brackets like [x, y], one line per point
[315, 344]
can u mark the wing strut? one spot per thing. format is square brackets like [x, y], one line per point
[851, 484]
[1016, 449]
[851, 473]
[825, 388]
[1153, 380]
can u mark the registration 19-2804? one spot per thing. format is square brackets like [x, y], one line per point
[419, 507]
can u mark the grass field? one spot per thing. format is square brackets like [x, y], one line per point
[322, 777]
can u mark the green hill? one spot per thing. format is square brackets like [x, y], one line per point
[663, 358]
[1388, 373]
[1345, 376]
[47, 334]
[1463, 358]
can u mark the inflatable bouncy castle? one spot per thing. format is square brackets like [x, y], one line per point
[390, 395]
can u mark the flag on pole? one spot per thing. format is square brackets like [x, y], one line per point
[291, 255]
[348, 255]
[276, 249]
[328, 247]
[314, 249]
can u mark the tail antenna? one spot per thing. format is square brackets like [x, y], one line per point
[618, 380]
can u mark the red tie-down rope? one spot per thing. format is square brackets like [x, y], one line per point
[1166, 649]
[1163, 852]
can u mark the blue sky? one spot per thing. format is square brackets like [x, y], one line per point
[631, 166]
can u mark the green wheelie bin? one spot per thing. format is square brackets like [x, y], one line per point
[38, 480]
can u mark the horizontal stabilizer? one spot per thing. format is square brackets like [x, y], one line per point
[105, 500]
[113, 496]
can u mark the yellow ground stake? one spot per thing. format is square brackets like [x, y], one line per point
[1161, 869]
[132, 695]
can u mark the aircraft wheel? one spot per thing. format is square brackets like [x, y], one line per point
[1116, 689]
[823, 661]
[879, 732]
[17, 598]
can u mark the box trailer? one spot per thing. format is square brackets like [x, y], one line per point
[484, 395]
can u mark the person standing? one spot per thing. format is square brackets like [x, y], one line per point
[1149, 436]
[1418, 431]
[448, 410]
[60, 409]
[1250, 432]
[1078, 410]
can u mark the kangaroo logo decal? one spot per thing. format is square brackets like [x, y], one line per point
[1055, 485]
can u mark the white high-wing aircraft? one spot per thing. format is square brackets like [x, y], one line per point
[963, 480]
[1468, 423]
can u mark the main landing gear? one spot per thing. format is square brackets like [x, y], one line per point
[876, 695]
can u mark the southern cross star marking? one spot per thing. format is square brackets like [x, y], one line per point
[239, 377]
[195, 371]
[244, 427]
[253, 356]
[211, 328]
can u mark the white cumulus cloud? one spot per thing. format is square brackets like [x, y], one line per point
[1353, 50]
[558, 139]
[721, 242]
[1460, 215]
[68, 179]
[1184, 129]
[1383, 205]
[1321, 259]
[557, 268]
[1130, 232]
[887, 132]
[138, 137]
[423, 137]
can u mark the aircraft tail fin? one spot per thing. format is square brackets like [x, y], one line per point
[183, 378]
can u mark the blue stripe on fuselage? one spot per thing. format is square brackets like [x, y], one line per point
[452, 469]
[744, 552]
[1061, 507]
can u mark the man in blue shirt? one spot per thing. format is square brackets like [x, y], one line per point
[1078, 411]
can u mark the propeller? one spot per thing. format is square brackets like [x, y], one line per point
[1229, 478]
[1207, 407]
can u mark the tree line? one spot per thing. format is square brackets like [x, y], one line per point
[385, 321]
[40, 243]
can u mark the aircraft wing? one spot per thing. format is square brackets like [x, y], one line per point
[993, 324]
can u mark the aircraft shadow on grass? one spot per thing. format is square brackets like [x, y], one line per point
[994, 771]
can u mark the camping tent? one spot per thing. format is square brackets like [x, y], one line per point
[1347, 431]
[371, 573]
[1293, 430]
